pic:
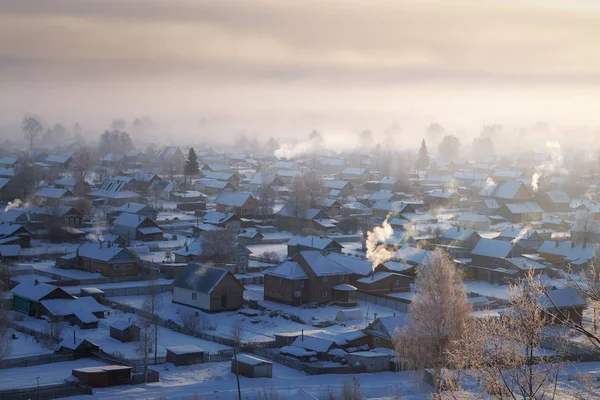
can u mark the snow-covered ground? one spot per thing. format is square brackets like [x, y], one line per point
[50, 266]
[24, 346]
[279, 248]
[44, 374]
[42, 247]
[215, 381]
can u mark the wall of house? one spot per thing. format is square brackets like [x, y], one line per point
[107, 269]
[230, 287]
[392, 283]
[282, 290]
[184, 296]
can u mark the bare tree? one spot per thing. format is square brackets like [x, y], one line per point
[83, 161]
[299, 199]
[52, 334]
[217, 245]
[143, 347]
[237, 332]
[152, 305]
[501, 352]
[437, 316]
[189, 320]
[31, 127]
[266, 196]
[269, 257]
[585, 228]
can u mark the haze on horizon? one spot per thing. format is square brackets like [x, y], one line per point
[271, 67]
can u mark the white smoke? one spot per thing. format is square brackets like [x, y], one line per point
[289, 151]
[553, 166]
[489, 185]
[535, 178]
[377, 252]
[13, 204]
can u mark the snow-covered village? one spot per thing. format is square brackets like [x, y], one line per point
[324, 200]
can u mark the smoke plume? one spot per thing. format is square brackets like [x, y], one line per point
[377, 252]
[13, 204]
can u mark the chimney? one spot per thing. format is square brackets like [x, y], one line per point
[108, 244]
[556, 243]
[100, 244]
[572, 244]
[36, 282]
[74, 338]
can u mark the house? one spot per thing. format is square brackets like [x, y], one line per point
[312, 218]
[185, 355]
[163, 189]
[309, 276]
[205, 251]
[53, 195]
[137, 227]
[382, 331]
[228, 221]
[76, 186]
[506, 191]
[61, 161]
[395, 208]
[10, 252]
[384, 282]
[466, 238]
[207, 288]
[521, 212]
[567, 253]
[105, 258]
[18, 234]
[528, 239]
[563, 304]
[373, 361]
[490, 253]
[554, 201]
[330, 206]
[114, 192]
[345, 187]
[27, 297]
[83, 311]
[360, 175]
[488, 207]
[9, 191]
[79, 347]
[301, 243]
[137, 209]
[213, 187]
[42, 216]
[241, 203]
[320, 346]
[250, 236]
[125, 331]
[442, 198]
[251, 366]
[477, 222]
[388, 183]
[171, 157]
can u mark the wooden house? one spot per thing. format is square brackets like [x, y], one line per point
[207, 288]
[125, 331]
[105, 258]
[185, 355]
[242, 204]
[251, 366]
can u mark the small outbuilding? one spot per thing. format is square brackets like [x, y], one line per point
[78, 346]
[372, 361]
[104, 376]
[252, 366]
[185, 355]
[125, 331]
[349, 315]
[96, 293]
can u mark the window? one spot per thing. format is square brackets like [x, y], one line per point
[324, 279]
[323, 293]
[242, 259]
[496, 262]
[116, 267]
[377, 341]
[128, 266]
[301, 284]
[340, 278]
[280, 281]
[397, 282]
[194, 296]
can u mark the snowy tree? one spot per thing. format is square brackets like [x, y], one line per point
[438, 315]
[143, 347]
[501, 352]
[191, 167]
[423, 159]
[449, 147]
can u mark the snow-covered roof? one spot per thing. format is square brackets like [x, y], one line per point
[561, 298]
[313, 343]
[65, 307]
[10, 250]
[525, 264]
[377, 276]
[217, 217]
[492, 248]
[396, 266]
[52, 192]
[250, 359]
[129, 220]
[323, 266]
[314, 242]
[4, 182]
[288, 270]
[459, 234]
[354, 171]
[512, 233]
[345, 287]
[442, 194]
[233, 199]
[558, 196]
[473, 217]
[185, 349]
[7, 172]
[388, 180]
[101, 252]
[574, 253]
[58, 158]
[200, 278]
[412, 254]
[358, 266]
[335, 184]
[524, 208]
[122, 324]
[296, 351]
[132, 208]
[32, 291]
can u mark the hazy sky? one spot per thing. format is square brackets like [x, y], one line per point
[277, 64]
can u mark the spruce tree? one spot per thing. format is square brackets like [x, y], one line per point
[191, 164]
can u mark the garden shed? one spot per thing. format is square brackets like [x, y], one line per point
[252, 366]
[185, 355]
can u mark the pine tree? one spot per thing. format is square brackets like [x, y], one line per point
[423, 160]
[191, 164]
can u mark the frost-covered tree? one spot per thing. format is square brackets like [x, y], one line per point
[438, 315]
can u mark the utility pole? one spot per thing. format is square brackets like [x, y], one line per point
[237, 372]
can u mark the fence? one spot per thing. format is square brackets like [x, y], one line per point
[35, 360]
[385, 301]
[46, 392]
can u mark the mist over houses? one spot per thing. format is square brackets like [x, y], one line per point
[307, 261]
